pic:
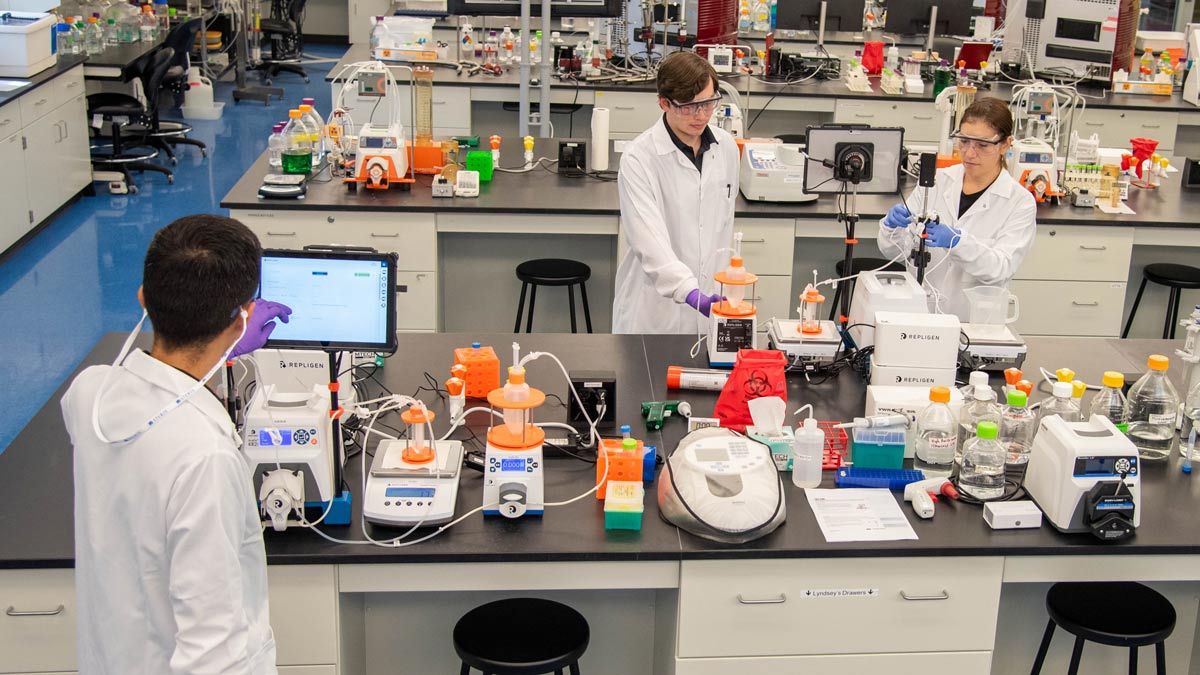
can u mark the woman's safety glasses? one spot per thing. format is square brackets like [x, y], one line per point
[697, 107]
[965, 143]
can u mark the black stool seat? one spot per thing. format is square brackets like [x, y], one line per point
[1171, 274]
[858, 266]
[521, 636]
[553, 272]
[1175, 277]
[1119, 614]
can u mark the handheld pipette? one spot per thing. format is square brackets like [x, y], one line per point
[878, 421]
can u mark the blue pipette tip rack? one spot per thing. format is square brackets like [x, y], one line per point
[892, 479]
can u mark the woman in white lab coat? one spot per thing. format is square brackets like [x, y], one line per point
[987, 219]
[678, 184]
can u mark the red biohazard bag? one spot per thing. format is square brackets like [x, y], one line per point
[757, 373]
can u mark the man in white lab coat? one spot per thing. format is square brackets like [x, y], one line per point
[678, 184]
[170, 571]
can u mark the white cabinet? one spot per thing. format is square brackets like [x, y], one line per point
[629, 112]
[1116, 126]
[12, 177]
[360, 14]
[960, 663]
[767, 245]
[49, 126]
[921, 122]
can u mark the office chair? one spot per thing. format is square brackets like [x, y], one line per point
[165, 134]
[123, 111]
[283, 30]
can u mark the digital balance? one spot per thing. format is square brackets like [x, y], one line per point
[1085, 477]
[513, 472]
[413, 480]
[809, 340]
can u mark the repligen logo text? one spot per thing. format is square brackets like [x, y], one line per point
[920, 336]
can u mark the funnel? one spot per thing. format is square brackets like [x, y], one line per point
[990, 305]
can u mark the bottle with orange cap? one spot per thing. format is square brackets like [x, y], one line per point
[1110, 402]
[1151, 411]
[937, 434]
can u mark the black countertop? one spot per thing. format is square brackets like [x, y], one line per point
[119, 56]
[542, 191]
[62, 65]
[36, 475]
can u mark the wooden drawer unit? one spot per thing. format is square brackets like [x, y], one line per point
[960, 663]
[37, 629]
[919, 120]
[1115, 127]
[845, 606]
[304, 614]
[412, 235]
[629, 112]
[10, 118]
[1084, 308]
[767, 244]
[1079, 253]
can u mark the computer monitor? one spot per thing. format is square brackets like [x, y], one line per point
[840, 15]
[340, 300]
[911, 17]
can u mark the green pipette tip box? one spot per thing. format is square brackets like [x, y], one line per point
[481, 161]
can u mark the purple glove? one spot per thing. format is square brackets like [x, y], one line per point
[259, 326]
[702, 303]
[941, 235]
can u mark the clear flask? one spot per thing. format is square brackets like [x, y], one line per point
[808, 452]
[1062, 404]
[1018, 425]
[1110, 402]
[982, 473]
[937, 434]
[1151, 410]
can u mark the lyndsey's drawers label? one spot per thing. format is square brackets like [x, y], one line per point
[840, 593]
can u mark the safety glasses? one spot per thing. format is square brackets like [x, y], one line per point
[697, 107]
[965, 143]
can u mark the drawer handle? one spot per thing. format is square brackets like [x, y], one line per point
[440, 102]
[922, 117]
[5, 122]
[385, 235]
[280, 234]
[42, 101]
[1094, 124]
[1151, 126]
[1093, 248]
[754, 241]
[1085, 304]
[623, 107]
[12, 611]
[941, 596]
[769, 601]
[865, 116]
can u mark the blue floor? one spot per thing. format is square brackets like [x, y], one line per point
[78, 277]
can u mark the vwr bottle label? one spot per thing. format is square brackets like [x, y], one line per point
[1162, 418]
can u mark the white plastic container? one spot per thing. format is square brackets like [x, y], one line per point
[198, 101]
[25, 44]
[808, 453]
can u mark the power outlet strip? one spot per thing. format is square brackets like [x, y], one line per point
[596, 389]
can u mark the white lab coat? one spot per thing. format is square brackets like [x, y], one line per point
[170, 572]
[997, 233]
[674, 219]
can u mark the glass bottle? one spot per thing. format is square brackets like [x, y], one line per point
[162, 16]
[376, 37]
[1151, 410]
[275, 145]
[1018, 425]
[937, 434]
[110, 33]
[1191, 413]
[1110, 402]
[314, 124]
[147, 26]
[506, 45]
[77, 38]
[982, 474]
[535, 48]
[63, 42]
[1062, 404]
[93, 40]
[297, 151]
[491, 47]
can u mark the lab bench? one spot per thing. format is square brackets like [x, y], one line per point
[459, 255]
[658, 600]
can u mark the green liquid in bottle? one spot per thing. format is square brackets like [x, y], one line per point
[297, 162]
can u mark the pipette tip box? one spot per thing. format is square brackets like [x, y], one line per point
[623, 505]
[881, 448]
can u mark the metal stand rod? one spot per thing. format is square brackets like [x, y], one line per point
[851, 220]
[242, 56]
[336, 425]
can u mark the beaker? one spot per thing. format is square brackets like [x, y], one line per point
[990, 305]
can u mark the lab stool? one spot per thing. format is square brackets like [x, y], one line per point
[1121, 614]
[553, 272]
[859, 265]
[1175, 277]
[521, 636]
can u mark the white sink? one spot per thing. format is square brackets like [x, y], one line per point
[12, 85]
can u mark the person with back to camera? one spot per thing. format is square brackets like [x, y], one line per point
[987, 219]
[170, 571]
[678, 184]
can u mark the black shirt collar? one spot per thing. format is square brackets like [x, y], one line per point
[707, 140]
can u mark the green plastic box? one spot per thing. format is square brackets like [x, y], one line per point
[881, 448]
[481, 161]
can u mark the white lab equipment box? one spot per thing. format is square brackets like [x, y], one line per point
[916, 340]
[908, 376]
[25, 43]
[885, 399]
[882, 291]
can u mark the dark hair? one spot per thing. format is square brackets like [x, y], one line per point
[991, 111]
[682, 75]
[199, 270]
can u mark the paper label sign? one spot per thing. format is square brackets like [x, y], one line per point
[840, 593]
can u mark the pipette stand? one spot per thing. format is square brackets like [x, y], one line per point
[850, 218]
[339, 511]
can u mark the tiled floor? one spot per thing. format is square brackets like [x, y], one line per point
[78, 278]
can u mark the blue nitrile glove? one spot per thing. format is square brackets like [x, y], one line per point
[941, 235]
[700, 302]
[259, 326]
[898, 217]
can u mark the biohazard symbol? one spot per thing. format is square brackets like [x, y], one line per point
[757, 384]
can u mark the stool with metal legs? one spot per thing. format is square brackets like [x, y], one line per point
[553, 272]
[1177, 278]
[521, 636]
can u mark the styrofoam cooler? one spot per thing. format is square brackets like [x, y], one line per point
[25, 44]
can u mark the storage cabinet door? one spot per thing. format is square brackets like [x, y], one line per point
[15, 222]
